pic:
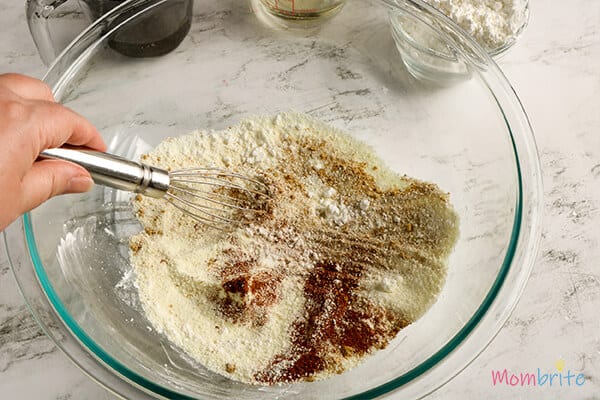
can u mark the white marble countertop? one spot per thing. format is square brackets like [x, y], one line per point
[555, 69]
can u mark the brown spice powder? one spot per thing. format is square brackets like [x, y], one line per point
[337, 322]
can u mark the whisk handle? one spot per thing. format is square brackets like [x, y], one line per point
[116, 172]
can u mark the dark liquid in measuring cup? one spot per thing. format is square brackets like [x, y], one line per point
[157, 32]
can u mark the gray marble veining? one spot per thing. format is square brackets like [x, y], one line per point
[555, 68]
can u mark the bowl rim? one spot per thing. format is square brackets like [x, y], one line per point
[524, 238]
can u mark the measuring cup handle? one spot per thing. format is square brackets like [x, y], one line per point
[38, 12]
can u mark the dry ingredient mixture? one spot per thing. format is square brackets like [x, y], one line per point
[493, 23]
[344, 255]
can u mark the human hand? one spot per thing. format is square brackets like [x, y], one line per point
[30, 122]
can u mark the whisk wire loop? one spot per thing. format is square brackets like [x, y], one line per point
[212, 195]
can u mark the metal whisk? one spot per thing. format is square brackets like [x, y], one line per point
[211, 196]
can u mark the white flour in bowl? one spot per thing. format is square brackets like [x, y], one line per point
[493, 23]
[345, 255]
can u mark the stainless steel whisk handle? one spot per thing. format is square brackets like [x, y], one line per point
[116, 172]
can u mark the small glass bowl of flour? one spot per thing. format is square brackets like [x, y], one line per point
[431, 49]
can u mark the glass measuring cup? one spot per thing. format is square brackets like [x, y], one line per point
[54, 23]
[303, 9]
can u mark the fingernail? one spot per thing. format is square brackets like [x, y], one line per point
[79, 184]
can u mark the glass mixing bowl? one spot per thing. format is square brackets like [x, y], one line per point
[70, 256]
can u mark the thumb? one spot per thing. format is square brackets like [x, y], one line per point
[49, 178]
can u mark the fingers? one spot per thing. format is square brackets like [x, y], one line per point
[30, 122]
[52, 124]
[49, 178]
[26, 87]
[56, 125]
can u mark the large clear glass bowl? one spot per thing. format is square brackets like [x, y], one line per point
[70, 256]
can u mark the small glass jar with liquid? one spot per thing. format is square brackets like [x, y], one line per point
[303, 9]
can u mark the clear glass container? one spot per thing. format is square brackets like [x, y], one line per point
[421, 40]
[54, 23]
[303, 9]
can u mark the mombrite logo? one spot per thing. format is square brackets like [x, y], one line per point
[539, 378]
